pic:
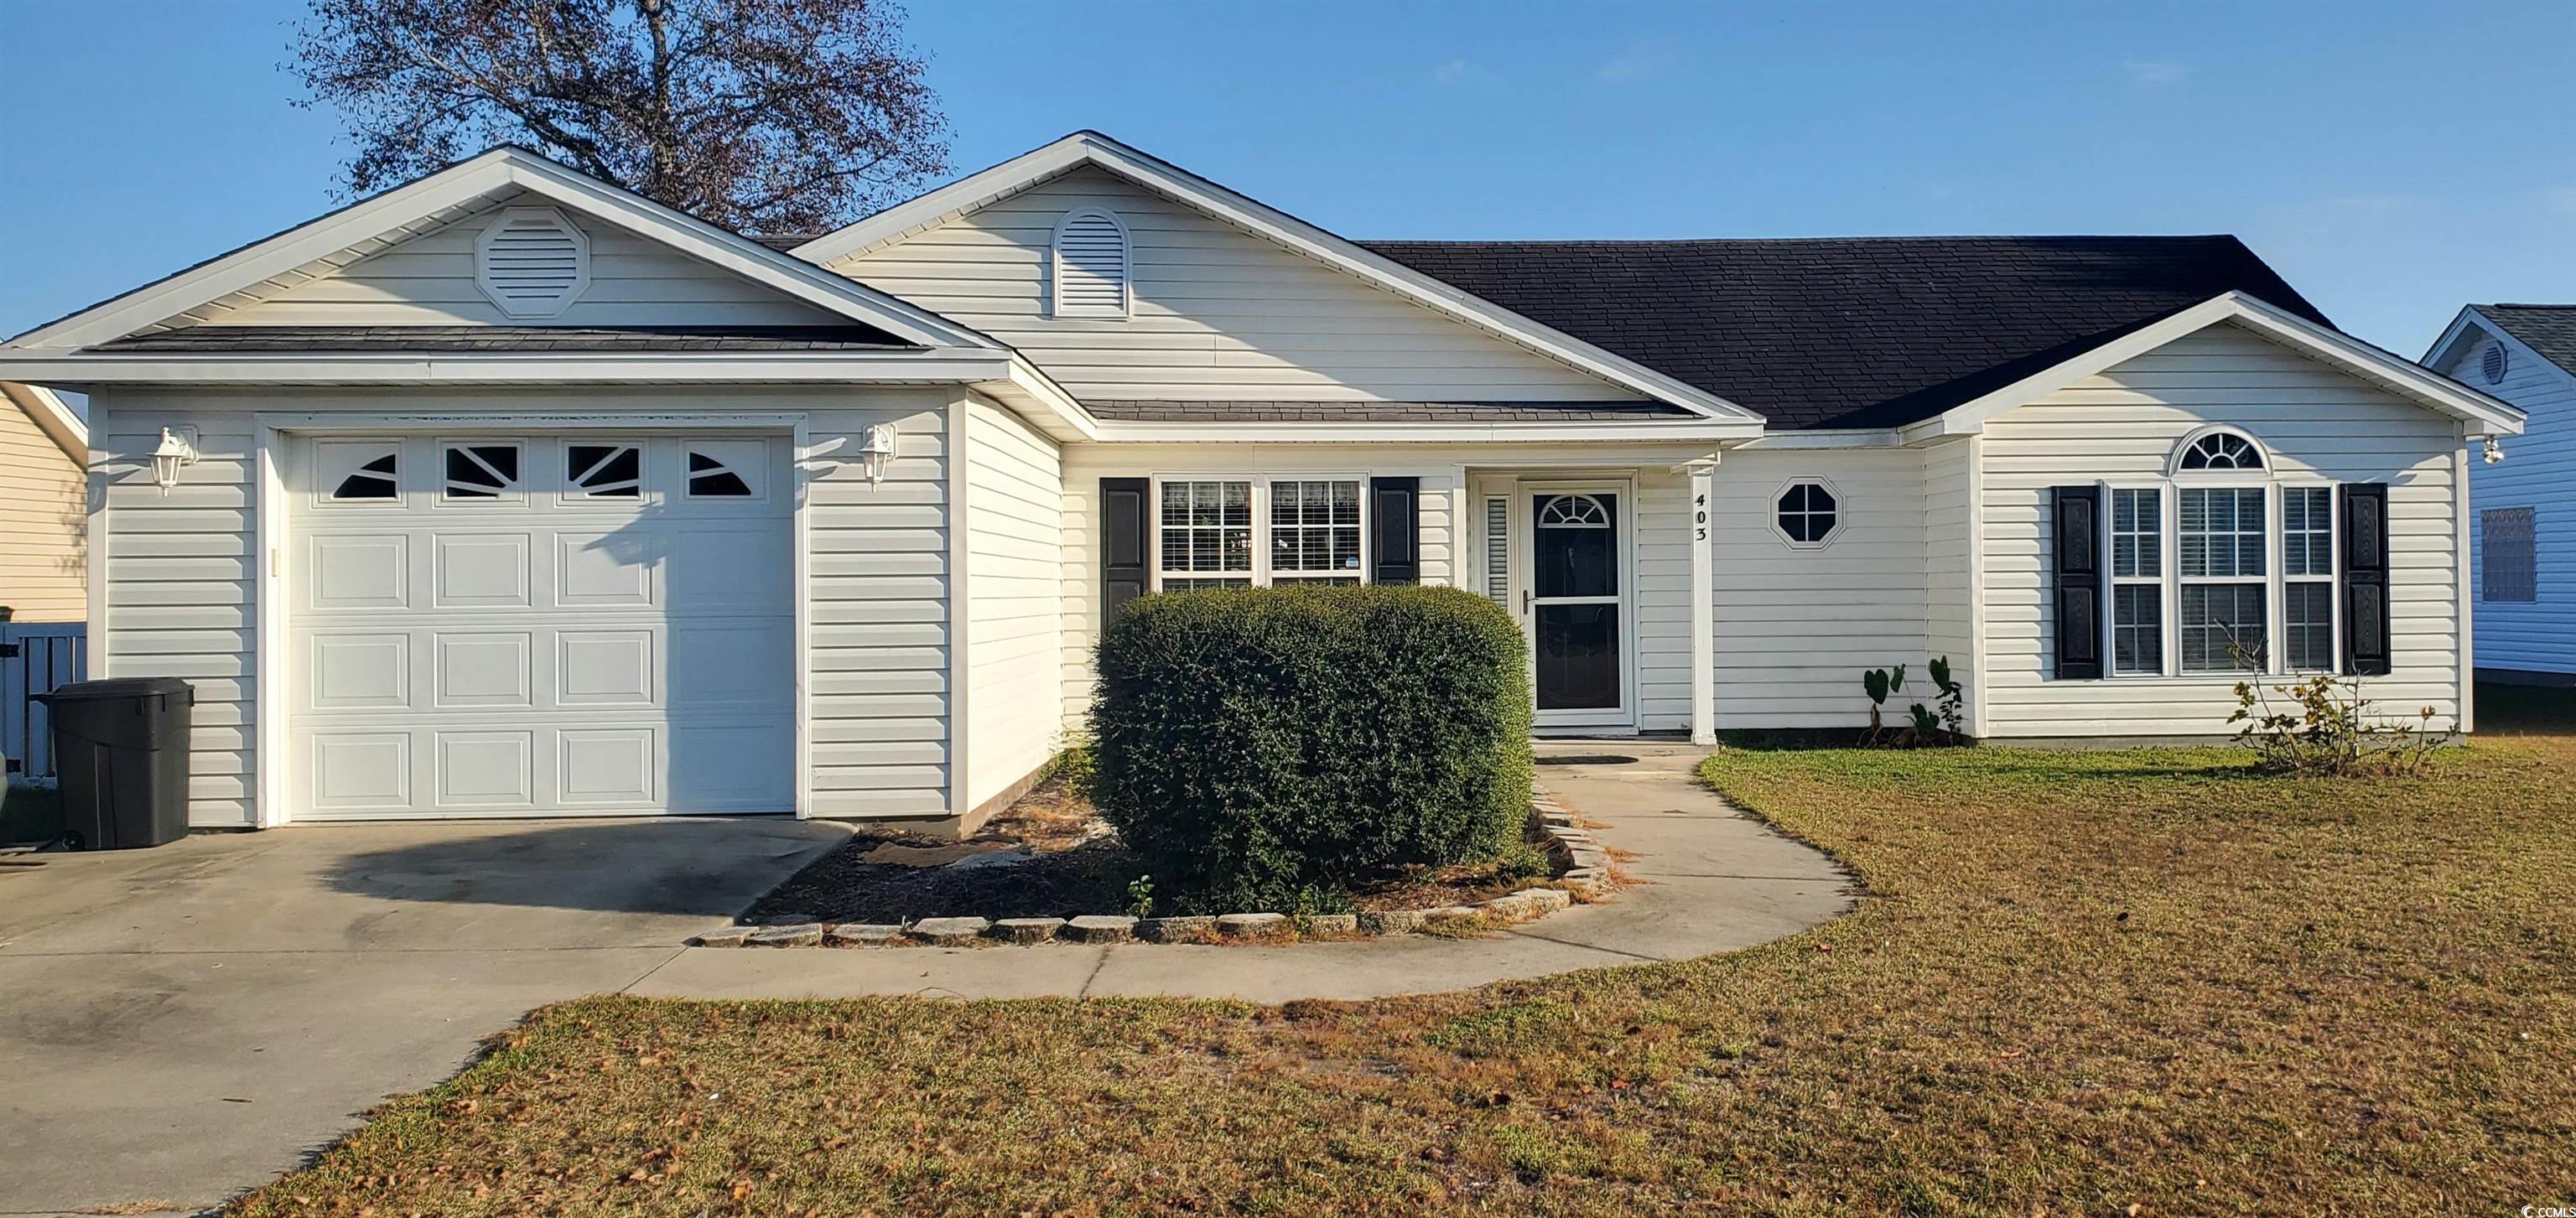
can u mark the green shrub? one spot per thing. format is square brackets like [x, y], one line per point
[1262, 746]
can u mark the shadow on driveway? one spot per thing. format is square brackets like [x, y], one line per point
[664, 866]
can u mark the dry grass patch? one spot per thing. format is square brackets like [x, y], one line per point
[2084, 982]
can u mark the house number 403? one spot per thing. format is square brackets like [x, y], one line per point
[1699, 515]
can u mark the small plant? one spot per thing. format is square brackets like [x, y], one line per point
[1938, 724]
[1879, 683]
[2324, 728]
[1953, 695]
[1140, 897]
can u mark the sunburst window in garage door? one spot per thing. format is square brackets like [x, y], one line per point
[604, 471]
[482, 471]
[368, 470]
[720, 469]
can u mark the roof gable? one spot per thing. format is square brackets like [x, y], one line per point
[320, 249]
[429, 278]
[2480, 413]
[47, 411]
[1092, 153]
[2548, 330]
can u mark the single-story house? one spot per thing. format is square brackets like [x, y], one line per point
[44, 514]
[508, 493]
[2523, 548]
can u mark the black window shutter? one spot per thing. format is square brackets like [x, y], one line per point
[1397, 530]
[2077, 513]
[2365, 579]
[1122, 542]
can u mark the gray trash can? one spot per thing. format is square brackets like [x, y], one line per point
[121, 756]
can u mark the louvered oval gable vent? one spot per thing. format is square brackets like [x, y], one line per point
[1091, 265]
[532, 262]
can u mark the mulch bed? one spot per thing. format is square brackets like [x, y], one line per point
[1073, 865]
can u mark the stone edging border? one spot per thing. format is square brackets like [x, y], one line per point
[1583, 873]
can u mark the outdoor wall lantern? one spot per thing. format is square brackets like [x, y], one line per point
[178, 447]
[876, 448]
[2495, 450]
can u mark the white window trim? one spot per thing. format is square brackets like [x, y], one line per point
[2161, 581]
[2274, 580]
[2332, 579]
[575, 495]
[1260, 574]
[1842, 512]
[513, 496]
[1126, 268]
[2183, 447]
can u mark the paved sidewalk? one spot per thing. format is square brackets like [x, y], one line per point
[1712, 879]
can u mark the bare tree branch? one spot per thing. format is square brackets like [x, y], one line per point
[762, 115]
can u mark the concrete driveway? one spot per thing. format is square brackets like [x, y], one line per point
[179, 1024]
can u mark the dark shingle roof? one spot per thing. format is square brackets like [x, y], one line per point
[1861, 332]
[2547, 329]
[199, 339]
[1385, 412]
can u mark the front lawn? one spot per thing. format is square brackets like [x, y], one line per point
[2097, 983]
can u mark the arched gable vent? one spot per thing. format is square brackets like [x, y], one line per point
[532, 262]
[1091, 265]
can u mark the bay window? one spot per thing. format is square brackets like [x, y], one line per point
[1226, 532]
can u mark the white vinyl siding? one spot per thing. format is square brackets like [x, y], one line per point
[1949, 564]
[1796, 627]
[2121, 427]
[1216, 312]
[44, 539]
[180, 592]
[1014, 599]
[430, 280]
[2538, 472]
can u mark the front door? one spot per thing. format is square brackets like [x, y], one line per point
[1578, 604]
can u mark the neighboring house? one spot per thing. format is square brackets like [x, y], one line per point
[2522, 508]
[513, 493]
[44, 508]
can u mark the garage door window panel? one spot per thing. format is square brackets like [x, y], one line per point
[481, 473]
[604, 471]
[358, 471]
[727, 469]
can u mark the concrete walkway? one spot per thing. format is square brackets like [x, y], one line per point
[1713, 879]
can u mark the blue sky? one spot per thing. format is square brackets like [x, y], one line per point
[2393, 161]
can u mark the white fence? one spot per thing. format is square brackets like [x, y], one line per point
[35, 657]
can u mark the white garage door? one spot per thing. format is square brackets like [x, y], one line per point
[510, 626]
